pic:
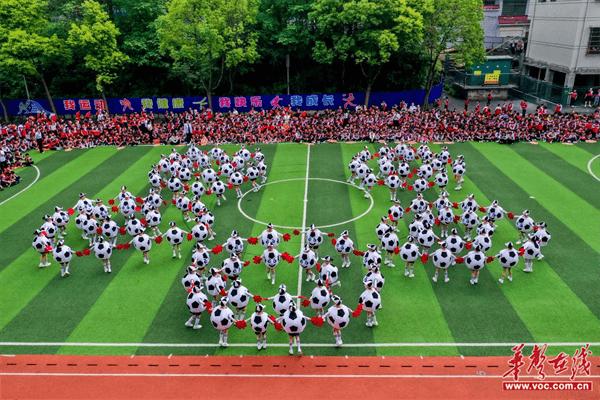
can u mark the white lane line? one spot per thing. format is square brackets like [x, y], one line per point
[283, 376]
[589, 167]
[37, 170]
[389, 344]
[302, 237]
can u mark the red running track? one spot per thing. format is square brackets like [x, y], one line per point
[266, 378]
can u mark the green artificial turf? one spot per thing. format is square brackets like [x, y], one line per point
[141, 303]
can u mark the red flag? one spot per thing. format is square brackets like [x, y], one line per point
[223, 292]
[521, 251]
[286, 237]
[48, 248]
[403, 185]
[407, 209]
[318, 267]
[230, 186]
[208, 306]
[391, 217]
[138, 208]
[70, 211]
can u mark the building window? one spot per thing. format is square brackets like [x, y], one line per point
[594, 42]
[514, 7]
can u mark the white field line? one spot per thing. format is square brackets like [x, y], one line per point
[589, 167]
[302, 237]
[282, 376]
[37, 177]
[196, 345]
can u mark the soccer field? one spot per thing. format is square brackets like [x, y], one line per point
[140, 309]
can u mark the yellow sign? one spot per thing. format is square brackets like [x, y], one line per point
[477, 73]
[492, 79]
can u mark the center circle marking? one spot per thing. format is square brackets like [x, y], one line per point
[371, 203]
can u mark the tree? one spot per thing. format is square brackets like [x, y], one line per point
[450, 25]
[26, 46]
[94, 38]
[204, 37]
[364, 32]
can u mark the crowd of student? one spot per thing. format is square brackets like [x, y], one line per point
[482, 122]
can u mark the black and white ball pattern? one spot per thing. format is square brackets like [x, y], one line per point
[62, 254]
[293, 322]
[319, 298]
[455, 244]
[475, 260]
[102, 250]
[221, 318]
[389, 241]
[134, 226]
[409, 252]
[370, 299]
[174, 236]
[232, 267]
[214, 284]
[307, 259]
[142, 242]
[271, 258]
[344, 246]
[239, 297]
[196, 302]
[443, 258]
[508, 258]
[218, 188]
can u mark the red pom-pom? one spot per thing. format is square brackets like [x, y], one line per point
[119, 246]
[410, 188]
[409, 176]
[245, 178]
[48, 248]
[256, 259]
[252, 240]
[241, 324]
[208, 306]
[318, 267]
[70, 211]
[219, 173]
[143, 221]
[190, 206]
[437, 221]
[317, 321]
[430, 184]
[482, 209]
[223, 292]
[138, 208]
[190, 236]
[333, 241]
[380, 182]
[489, 259]
[230, 185]
[296, 232]
[78, 253]
[357, 311]
[376, 155]
[139, 200]
[510, 215]
[99, 230]
[234, 164]
[404, 185]
[468, 245]
[111, 201]
[257, 298]
[358, 253]
[217, 249]
[449, 160]
[286, 237]
[455, 205]
[278, 326]
[195, 165]
[397, 250]
[208, 192]
[460, 260]
[305, 303]
[173, 201]
[86, 252]
[391, 217]
[224, 277]
[163, 184]
[456, 219]
[407, 210]
[331, 234]
[287, 257]
[114, 209]
[158, 239]
[424, 258]
[126, 245]
[122, 230]
[521, 251]
[246, 263]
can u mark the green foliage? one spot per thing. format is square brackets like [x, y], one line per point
[95, 38]
[205, 37]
